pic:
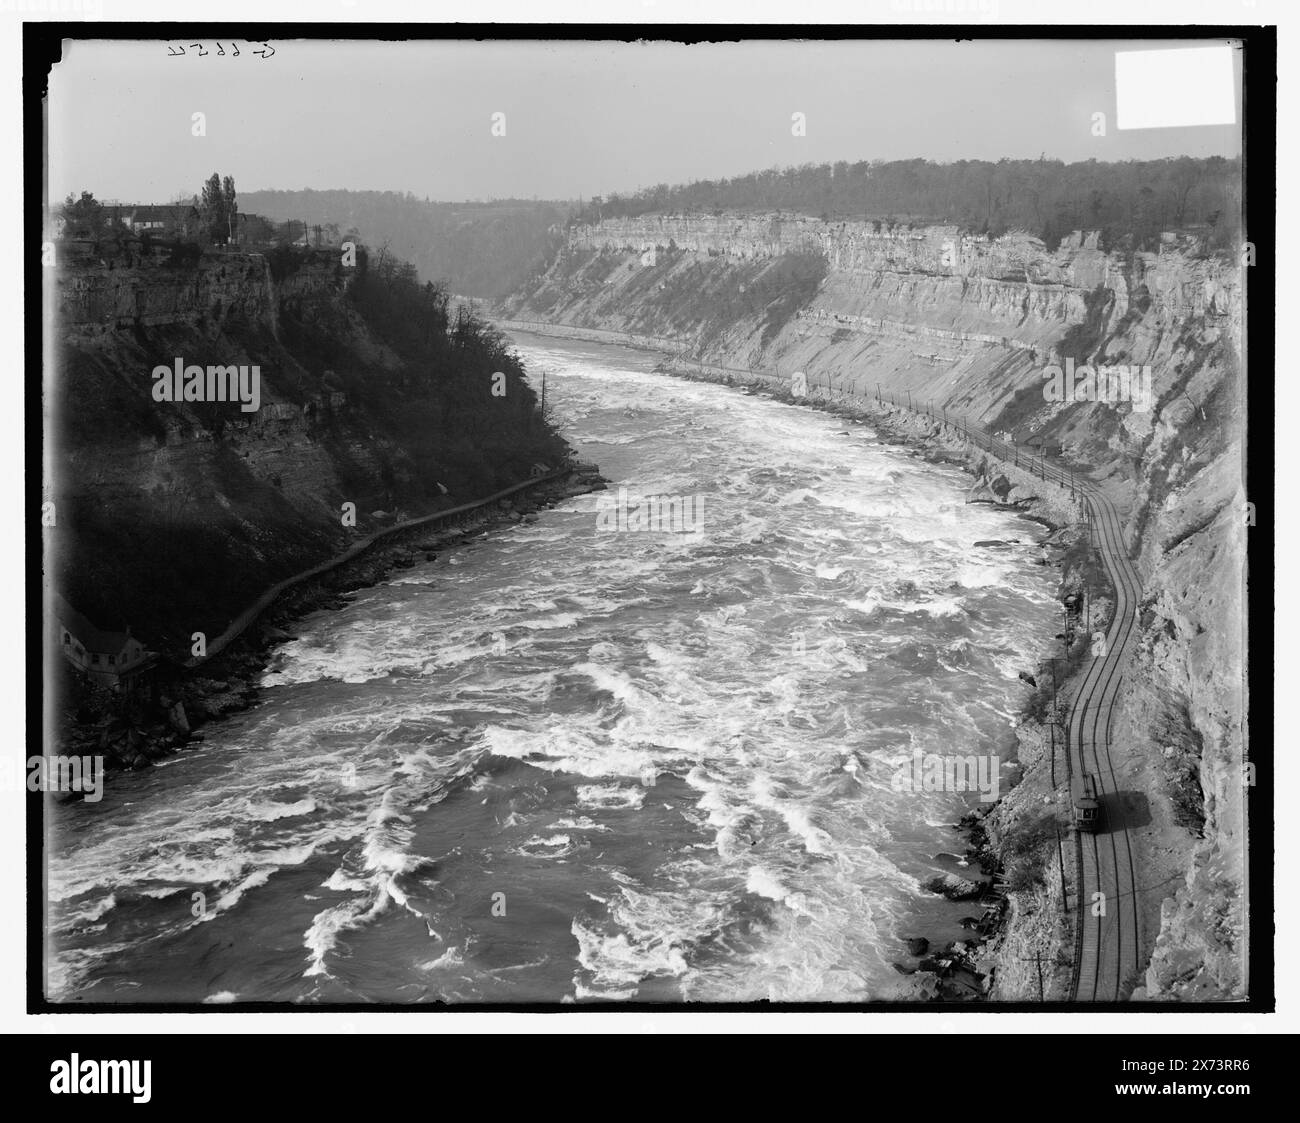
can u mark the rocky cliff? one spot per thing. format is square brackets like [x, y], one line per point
[987, 328]
[171, 516]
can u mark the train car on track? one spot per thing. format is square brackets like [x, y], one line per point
[1084, 802]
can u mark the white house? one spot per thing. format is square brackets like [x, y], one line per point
[110, 659]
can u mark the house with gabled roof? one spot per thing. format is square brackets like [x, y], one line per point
[109, 659]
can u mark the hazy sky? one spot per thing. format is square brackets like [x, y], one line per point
[581, 118]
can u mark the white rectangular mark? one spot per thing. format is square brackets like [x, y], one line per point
[1174, 88]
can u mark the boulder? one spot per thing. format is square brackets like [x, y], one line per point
[953, 887]
[176, 718]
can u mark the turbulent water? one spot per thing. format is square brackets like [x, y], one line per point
[561, 763]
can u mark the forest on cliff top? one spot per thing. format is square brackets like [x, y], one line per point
[491, 249]
[1131, 203]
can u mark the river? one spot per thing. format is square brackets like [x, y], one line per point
[566, 763]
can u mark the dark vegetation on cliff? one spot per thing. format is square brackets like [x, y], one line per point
[173, 517]
[475, 249]
[1131, 203]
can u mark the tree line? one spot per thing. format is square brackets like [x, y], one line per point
[1130, 202]
[456, 399]
[485, 249]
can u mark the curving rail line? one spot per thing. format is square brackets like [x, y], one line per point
[1107, 951]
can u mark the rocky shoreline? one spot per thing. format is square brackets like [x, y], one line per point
[131, 733]
[1005, 890]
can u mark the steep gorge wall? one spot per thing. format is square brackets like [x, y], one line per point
[964, 322]
[969, 325]
[124, 322]
[173, 516]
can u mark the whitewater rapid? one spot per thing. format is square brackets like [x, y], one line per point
[564, 764]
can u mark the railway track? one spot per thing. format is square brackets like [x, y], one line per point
[1107, 948]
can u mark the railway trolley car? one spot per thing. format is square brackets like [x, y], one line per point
[1084, 801]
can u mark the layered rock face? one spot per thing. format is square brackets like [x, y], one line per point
[976, 327]
[249, 494]
[961, 320]
[94, 301]
[172, 516]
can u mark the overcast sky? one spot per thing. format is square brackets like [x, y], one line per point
[581, 118]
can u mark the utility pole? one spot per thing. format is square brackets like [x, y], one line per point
[1038, 958]
[1060, 863]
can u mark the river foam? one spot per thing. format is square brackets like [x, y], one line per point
[556, 764]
